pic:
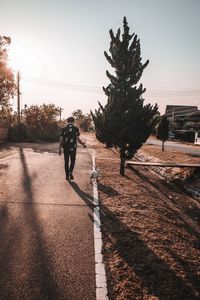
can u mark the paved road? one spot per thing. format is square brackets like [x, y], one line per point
[46, 228]
[193, 150]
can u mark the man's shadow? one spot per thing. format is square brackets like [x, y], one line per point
[87, 198]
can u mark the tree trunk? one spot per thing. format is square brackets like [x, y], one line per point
[163, 145]
[122, 163]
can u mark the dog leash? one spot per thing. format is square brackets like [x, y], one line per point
[91, 156]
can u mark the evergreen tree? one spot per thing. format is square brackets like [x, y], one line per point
[162, 130]
[125, 122]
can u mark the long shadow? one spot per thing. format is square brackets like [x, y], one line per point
[154, 274]
[87, 198]
[187, 225]
[38, 147]
[39, 203]
[194, 213]
[44, 284]
[191, 271]
[108, 190]
[3, 166]
[8, 240]
[164, 182]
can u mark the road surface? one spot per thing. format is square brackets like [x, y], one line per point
[46, 227]
[193, 150]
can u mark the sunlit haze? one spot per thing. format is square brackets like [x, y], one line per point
[58, 48]
[25, 60]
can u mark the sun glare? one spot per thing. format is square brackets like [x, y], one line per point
[24, 60]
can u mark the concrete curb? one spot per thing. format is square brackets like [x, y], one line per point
[100, 274]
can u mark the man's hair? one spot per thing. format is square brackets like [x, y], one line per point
[70, 120]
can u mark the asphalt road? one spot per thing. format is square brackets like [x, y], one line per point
[193, 150]
[46, 227]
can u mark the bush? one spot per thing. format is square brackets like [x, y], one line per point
[50, 133]
[21, 133]
[18, 133]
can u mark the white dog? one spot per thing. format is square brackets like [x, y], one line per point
[94, 175]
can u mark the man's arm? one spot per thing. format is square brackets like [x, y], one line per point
[60, 145]
[81, 142]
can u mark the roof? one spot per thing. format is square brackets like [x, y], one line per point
[193, 115]
[180, 110]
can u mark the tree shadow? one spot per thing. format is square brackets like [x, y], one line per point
[127, 177]
[154, 274]
[191, 271]
[40, 203]
[45, 147]
[108, 190]
[194, 213]
[194, 154]
[167, 184]
[41, 283]
[42, 270]
[8, 240]
[169, 203]
[3, 166]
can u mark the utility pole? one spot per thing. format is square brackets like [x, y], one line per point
[18, 97]
[60, 113]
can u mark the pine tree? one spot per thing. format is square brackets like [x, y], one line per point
[162, 130]
[125, 122]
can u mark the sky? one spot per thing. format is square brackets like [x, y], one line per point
[58, 47]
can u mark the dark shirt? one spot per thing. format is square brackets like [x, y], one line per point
[69, 134]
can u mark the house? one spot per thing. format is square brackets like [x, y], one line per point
[179, 111]
[192, 120]
[184, 121]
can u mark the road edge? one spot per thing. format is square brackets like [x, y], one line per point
[100, 274]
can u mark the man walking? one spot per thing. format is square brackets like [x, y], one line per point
[68, 140]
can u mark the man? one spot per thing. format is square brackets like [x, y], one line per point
[68, 140]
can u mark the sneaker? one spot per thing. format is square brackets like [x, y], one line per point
[71, 176]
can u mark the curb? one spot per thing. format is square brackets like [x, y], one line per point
[100, 274]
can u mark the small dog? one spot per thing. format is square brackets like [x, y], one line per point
[94, 175]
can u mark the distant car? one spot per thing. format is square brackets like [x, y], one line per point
[171, 135]
[197, 138]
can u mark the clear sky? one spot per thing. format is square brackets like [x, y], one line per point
[58, 47]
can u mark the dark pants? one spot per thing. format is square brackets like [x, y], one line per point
[70, 156]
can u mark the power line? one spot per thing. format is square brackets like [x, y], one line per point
[98, 90]
[68, 86]
[174, 93]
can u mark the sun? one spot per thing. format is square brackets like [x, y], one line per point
[25, 60]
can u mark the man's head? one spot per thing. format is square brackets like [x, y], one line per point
[70, 120]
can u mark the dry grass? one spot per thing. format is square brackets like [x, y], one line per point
[150, 233]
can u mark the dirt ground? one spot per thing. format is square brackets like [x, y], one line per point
[151, 233]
